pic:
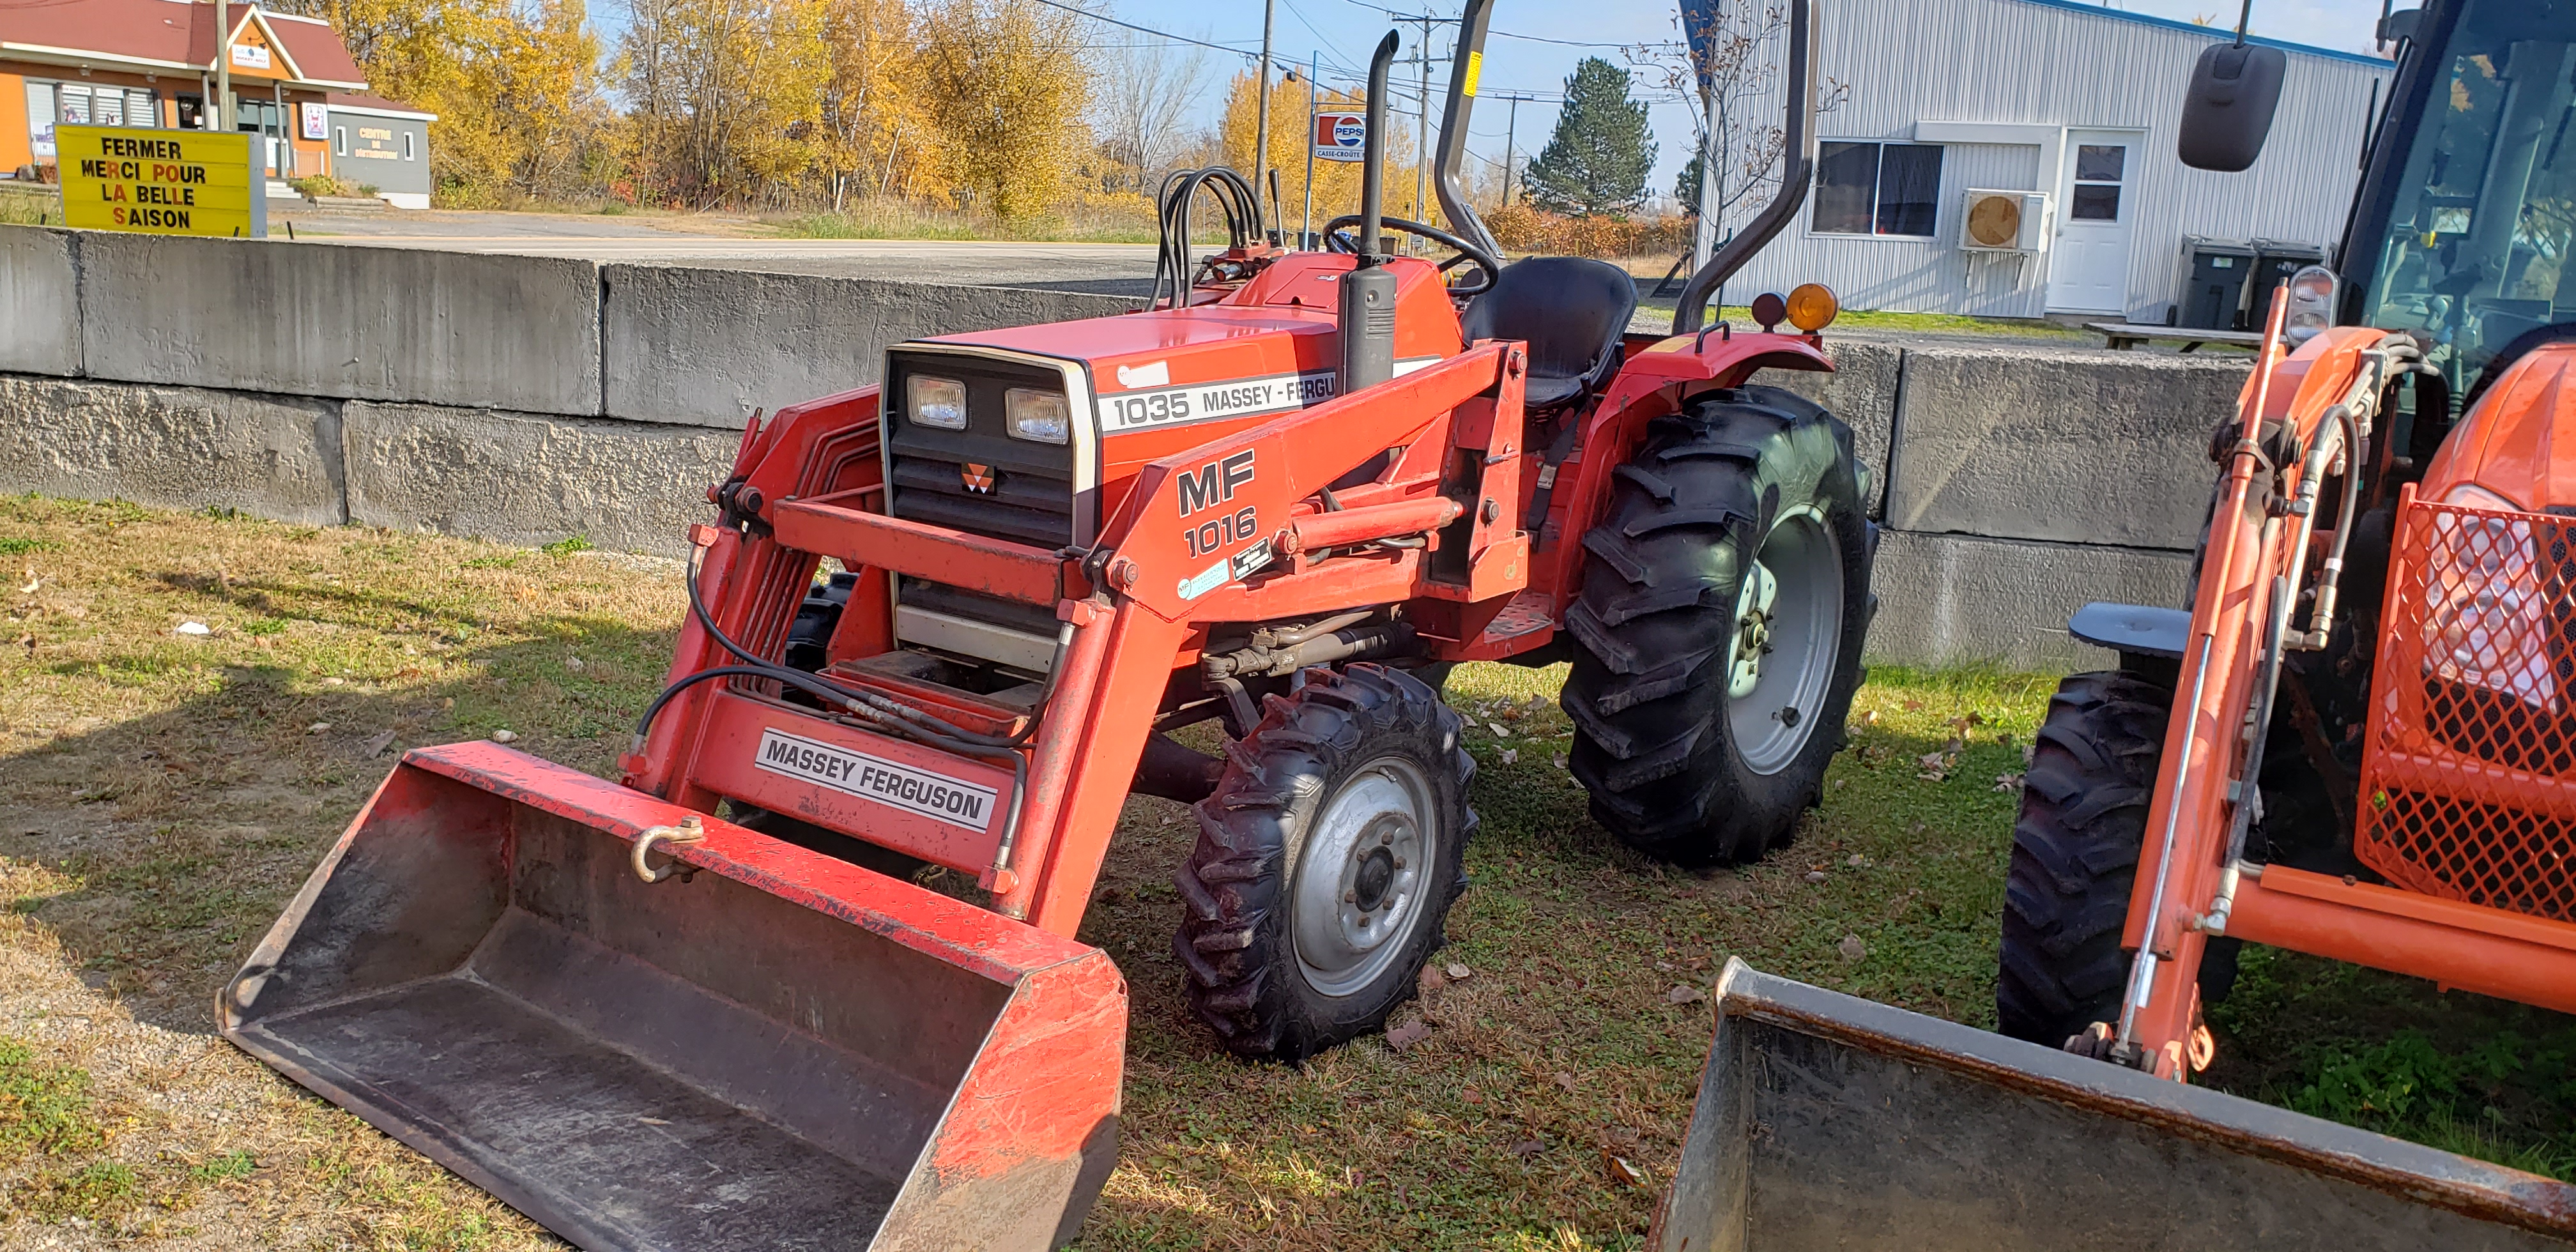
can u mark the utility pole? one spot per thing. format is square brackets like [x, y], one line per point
[1261, 110]
[1306, 229]
[223, 101]
[1422, 114]
[1511, 137]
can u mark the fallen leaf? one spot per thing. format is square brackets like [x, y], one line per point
[1512, 713]
[1856, 860]
[1413, 1030]
[1565, 1080]
[1869, 718]
[376, 744]
[317, 728]
[1665, 967]
[573, 663]
[1930, 760]
[505, 736]
[1497, 728]
[1509, 756]
[183, 628]
[1914, 706]
[2031, 750]
[1429, 980]
[1852, 948]
[1683, 993]
[1976, 718]
[1815, 875]
[1837, 784]
[1472, 1096]
[1560, 760]
[2008, 782]
[1459, 973]
[1527, 1148]
[1621, 1171]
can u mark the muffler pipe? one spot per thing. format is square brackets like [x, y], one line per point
[1367, 312]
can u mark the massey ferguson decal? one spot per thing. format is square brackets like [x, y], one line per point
[1212, 402]
[931, 794]
[1212, 486]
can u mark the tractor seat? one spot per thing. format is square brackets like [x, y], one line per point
[1571, 311]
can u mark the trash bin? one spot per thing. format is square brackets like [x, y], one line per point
[2275, 260]
[2215, 272]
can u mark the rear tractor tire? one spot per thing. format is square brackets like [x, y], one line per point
[1718, 635]
[1326, 863]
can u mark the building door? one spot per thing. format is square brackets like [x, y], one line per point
[2097, 206]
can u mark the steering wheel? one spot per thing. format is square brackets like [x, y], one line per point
[1489, 270]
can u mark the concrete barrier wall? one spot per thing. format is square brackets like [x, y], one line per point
[403, 324]
[527, 400]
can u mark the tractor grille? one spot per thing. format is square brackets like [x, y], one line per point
[979, 480]
[2468, 788]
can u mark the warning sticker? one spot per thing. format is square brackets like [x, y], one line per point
[951, 800]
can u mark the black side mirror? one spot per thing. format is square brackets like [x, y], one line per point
[2234, 90]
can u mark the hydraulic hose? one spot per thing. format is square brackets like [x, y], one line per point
[1235, 198]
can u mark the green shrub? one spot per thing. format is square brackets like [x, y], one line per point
[314, 186]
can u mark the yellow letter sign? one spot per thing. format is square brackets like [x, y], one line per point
[161, 182]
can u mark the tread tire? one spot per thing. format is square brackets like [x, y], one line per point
[1648, 688]
[1235, 940]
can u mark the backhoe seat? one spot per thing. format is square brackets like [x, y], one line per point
[1570, 310]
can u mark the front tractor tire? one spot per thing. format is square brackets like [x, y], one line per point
[1718, 634]
[1326, 862]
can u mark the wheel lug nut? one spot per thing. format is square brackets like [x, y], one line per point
[1399, 862]
[1364, 921]
[1350, 897]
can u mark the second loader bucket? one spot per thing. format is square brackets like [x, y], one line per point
[1829, 1122]
[775, 1049]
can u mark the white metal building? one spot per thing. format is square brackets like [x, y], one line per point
[2072, 109]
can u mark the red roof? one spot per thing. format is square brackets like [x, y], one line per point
[169, 31]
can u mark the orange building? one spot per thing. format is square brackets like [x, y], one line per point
[152, 63]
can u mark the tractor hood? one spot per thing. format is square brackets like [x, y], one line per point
[2509, 443]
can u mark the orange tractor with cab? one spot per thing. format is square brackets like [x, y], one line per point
[706, 1006]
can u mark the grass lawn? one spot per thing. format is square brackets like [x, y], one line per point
[1660, 313]
[163, 793]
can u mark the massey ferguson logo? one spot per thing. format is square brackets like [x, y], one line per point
[978, 478]
[1214, 483]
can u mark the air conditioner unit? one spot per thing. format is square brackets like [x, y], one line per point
[2004, 221]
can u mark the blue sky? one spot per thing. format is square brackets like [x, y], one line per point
[1344, 30]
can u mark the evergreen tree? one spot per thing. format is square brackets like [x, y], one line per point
[1599, 157]
[1686, 187]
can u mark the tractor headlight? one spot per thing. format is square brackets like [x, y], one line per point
[2312, 301]
[1041, 416]
[939, 402]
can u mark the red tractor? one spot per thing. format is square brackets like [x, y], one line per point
[1284, 499]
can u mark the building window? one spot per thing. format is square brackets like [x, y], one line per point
[74, 108]
[1877, 189]
[2098, 171]
[339, 141]
[406, 145]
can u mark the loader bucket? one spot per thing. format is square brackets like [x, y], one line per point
[779, 1050]
[1828, 1122]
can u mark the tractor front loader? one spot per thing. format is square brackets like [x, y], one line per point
[709, 1005]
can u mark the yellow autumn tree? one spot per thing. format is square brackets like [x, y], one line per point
[727, 98]
[1007, 97]
[1337, 183]
[878, 135]
[516, 87]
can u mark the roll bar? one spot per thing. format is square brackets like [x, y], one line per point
[1453, 126]
[1797, 173]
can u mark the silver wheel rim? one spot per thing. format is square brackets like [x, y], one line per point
[1781, 657]
[1361, 874]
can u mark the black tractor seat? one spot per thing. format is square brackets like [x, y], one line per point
[1570, 310]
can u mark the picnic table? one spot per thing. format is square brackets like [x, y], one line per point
[2127, 335]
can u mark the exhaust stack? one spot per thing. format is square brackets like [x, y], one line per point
[1368, 291]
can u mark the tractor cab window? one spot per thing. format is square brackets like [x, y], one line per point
[2484, 217]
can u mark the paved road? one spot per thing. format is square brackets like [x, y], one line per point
[735, 243]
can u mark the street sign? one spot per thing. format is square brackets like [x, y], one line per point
[1340, 136]
[161, 182]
